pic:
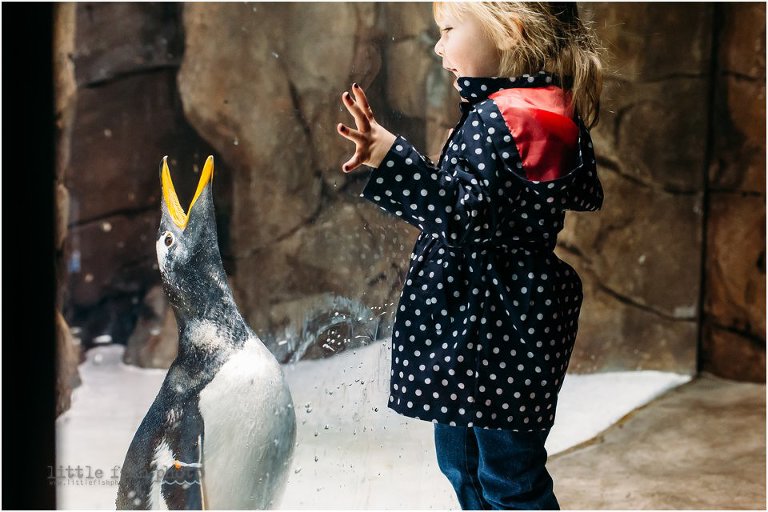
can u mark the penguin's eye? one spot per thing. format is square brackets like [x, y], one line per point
[168, 239]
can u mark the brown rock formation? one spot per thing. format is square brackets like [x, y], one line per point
[733, 339]
[68, 358]
[67, 351]
[641, 255]
[299, 232]
[118, 115]
[154, 342]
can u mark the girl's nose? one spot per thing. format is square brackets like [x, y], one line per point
[439, 47]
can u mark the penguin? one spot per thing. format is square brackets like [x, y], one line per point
[221, 432]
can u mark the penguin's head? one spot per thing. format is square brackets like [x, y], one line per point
[187, 246]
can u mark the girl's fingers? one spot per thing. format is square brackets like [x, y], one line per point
[363, 101]
[352, 164]
[356, 161]
[360, 141]
[361, 120]
[360, 109]
[351, 134]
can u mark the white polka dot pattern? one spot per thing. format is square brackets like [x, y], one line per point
[488, 316]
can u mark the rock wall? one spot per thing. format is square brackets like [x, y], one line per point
[733, 340]
[68, 348]
[118, 114]
[315, 268]
[640, 257]
[303, 243]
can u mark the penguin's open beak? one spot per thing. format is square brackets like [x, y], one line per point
[180, 218]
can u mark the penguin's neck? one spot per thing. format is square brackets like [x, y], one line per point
[209, 301]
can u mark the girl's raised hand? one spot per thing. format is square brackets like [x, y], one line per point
[372, 141]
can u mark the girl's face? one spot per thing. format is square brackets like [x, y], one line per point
[466, 50]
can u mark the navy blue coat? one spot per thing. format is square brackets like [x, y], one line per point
[488, 316]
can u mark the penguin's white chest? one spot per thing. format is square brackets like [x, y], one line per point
[249, 431]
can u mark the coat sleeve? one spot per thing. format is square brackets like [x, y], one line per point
[454, 201]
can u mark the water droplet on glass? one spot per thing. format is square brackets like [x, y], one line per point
[102, 339]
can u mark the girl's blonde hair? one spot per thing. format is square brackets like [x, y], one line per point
[536, 36]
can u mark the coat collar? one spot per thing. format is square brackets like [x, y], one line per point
[474, 89]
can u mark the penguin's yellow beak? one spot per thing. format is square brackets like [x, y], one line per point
[180, 218]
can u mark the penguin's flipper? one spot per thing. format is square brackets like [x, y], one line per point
[183, 481]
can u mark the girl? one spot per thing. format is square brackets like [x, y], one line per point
[488, 316]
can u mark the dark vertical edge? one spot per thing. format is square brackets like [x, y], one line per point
[712, 109]
[28, 336]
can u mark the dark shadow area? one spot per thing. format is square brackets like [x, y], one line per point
[28, 271]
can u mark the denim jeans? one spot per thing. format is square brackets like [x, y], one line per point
[496, 469]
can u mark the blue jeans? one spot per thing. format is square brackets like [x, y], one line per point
[496, 469]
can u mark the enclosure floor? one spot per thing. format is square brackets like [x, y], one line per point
[700, 446]
[354, 452]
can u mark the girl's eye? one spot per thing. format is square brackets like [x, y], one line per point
[446, 29]
[168, 239]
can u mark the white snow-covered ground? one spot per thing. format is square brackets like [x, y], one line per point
[352, 451]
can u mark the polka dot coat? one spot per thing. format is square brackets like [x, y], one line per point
[488, 315]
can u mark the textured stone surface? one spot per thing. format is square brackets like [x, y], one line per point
[115, 254]
[739, 159]
[742, 39]
[675, 38]
[640, 256]
[67, 351]
[67, 359]
[349, 253]
[733, 355]
[733, 341]
[62, 216]
[700, 446]
[655, 101]
[632, 245]
[115, 154]
[154, 342]
[409, 43]
[64, 81]
[300, 234]
[736, 263]
[118, 114]
[125, 38]
[617, 334]
[274, 119]
[64, 97]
